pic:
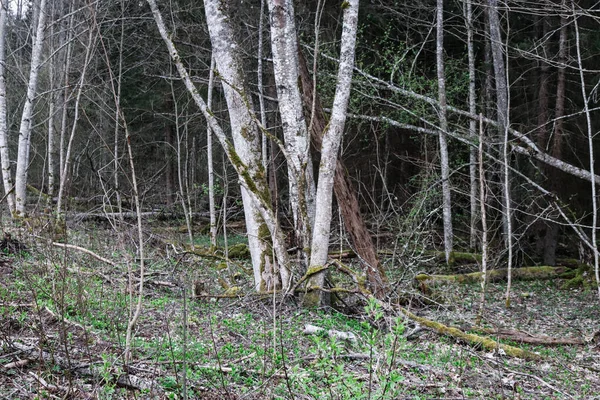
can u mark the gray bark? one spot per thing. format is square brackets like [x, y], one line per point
[329, 151]
[444, 163]
[472, 126]
[295, 132]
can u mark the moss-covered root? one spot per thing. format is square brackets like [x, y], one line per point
[475, 340]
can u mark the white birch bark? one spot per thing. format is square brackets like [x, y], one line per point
[472, 125]
[7, 181]
[27, 114]
[244, 154]
[259, 83]
[443, 140]
[297, 140]
[592, 161]
[329, 151]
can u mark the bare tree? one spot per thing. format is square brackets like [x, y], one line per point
[7, 180]
[295, 132]
[209, 160]
[444, 163]
[329, 152]
[64, 173]
[27, 114]
[468, 10]
[244, 152]
[590, 137]
[502, 107]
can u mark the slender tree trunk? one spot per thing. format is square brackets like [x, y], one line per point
[27, 114]
[65, 173]
[472, 126]
[115, 172]
[329, 152]
[297, 141]
[66, 96]
[4, 153]
[551, 237]
[259, 83]
[549, 229]
[53, 98]
[180, 180]
[169, 146]
[484, 228]
[444, 163]
[590, 135]
[503, 109]
[209, 156]
[344, 190]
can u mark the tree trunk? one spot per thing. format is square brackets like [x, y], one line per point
[551, 237]
[244, 154]
[27, 114]
[169, 146]
[592, 160]
[295, 133]
[209, 160]
[444, 163]
[503, 112]
[472, 126]
[4, 154]
[329, 153]
[344, 190]
[65, 173]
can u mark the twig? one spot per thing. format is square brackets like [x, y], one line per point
[86, 251]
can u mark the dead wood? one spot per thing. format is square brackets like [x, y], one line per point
[524, 337]
[469, 338]
[90, 371]
[525, 273]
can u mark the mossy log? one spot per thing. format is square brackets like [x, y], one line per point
[456, 257]
[487, 343]
[525, 273]
[471, 338]
[524, 337]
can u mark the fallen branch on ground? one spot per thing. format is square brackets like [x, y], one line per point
[33, 353]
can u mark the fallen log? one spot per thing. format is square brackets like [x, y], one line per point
[484, 342]
[525, 273]
[524, 337]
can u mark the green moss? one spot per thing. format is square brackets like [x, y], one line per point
[233, 291]
[239, 251]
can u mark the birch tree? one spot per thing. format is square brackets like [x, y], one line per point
[329, 152]
[7, 181]
[295, 132]
[244, 153]
[444, 164]
[27, 114]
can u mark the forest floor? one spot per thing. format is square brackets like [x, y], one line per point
[64, 314]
